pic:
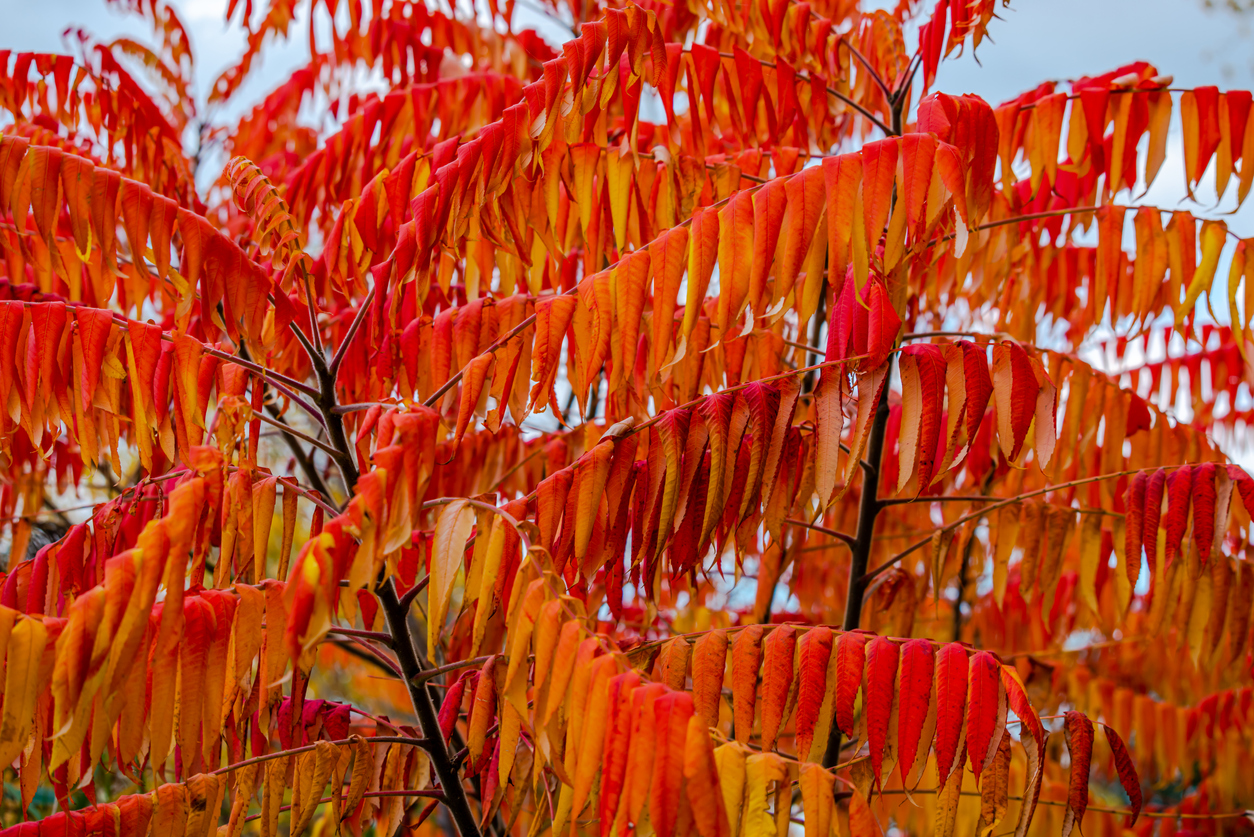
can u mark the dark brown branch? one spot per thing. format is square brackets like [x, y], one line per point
[424, 707]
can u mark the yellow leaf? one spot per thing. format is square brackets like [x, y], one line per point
[730, 761]
[204, 797]
[312, 770]
[363, 767]
[21, 685]
[994, 789]
[245, 787]
[1214, 234]
[272, 795]
[817, 800]
[947, 805]
[451, 532]
[1090, 554]
[491, 565]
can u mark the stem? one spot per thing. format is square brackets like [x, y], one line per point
[888, 94]
[424, 707]
[396, 614]
[303, 458]
[427, 794]
[870, 574]
[317, 358]
[962, 588]
[373, 739]
[847, 540]
[868, 509]
[353, 327]
[293, 433]
[274, 378]
[940, 498]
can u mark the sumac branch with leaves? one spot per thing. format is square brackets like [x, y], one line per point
[685, 429]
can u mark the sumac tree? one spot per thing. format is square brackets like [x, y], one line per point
[706, 473]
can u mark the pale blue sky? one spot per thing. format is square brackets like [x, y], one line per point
[1036, 39]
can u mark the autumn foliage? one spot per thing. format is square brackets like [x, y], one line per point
[691, 428]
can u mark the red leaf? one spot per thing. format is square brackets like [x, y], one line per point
[881, 677]
[986, 709]
[671, 713]
[1153, 512]
[1127, 772]
[918, 153]
[1204, 499]
[979, 385]
[951, 699]
[617, 743]
[914, 700]
[1079, 732]
[1016, 387]
[923, 398]
[473, 379]
[93, 333]
[879, 160]
[882, 327]
[1179, 494]
[815, 654]
[1134, 516]
[850, 660]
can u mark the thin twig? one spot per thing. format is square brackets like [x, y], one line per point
[993, 507]
[358, 319]
[847, 540]
[292, 431]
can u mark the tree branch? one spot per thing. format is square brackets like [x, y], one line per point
[424, 707]
[847, 540]
[867, 576]
[358, 319]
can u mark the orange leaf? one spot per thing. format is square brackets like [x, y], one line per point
[805, 196]
[850, 660]
[779, 649]
[668, 258]
[769, 206]
[552, 317]
[879, 160]
[746, 657]
[815, 651]
[841, 175]
[702, 782]
[917, 153]
[709, 660]
[671, 713]
[1015, 389]
[735, 260]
